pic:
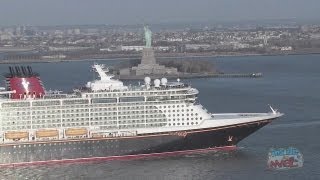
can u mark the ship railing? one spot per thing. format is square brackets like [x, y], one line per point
[238, 115]
[61, 96]
[155, 93]
[133, 88]
[114, 133]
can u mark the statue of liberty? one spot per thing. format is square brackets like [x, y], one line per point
[147, 36]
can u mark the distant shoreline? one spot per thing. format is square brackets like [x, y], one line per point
[158, 56]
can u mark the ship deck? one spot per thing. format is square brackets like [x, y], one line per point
[223, 116]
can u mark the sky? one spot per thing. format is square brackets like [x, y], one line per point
[79, 12]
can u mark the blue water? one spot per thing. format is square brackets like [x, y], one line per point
[290, 84]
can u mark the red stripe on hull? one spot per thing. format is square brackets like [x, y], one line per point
[125, 157]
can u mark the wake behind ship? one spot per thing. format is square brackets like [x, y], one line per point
[108, 120]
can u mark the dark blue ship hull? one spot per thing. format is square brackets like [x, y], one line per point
[126, 147]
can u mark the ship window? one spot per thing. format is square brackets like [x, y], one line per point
[16, 104]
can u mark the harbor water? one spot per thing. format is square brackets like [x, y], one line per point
[290, 84]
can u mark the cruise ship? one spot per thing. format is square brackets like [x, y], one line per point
[106, 119]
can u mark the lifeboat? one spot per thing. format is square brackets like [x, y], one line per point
[76, 131]
[45, 133]
[16, 135]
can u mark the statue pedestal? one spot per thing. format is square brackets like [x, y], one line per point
[149, 65]
[148, 56]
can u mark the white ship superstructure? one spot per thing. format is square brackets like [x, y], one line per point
[158, 116]
[108, 108]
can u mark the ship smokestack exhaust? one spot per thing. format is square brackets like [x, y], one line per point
[30, 70]
[17, 70]
[11, 71]
[24, 82]
[24, 72]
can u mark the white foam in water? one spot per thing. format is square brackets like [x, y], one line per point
[299, 124]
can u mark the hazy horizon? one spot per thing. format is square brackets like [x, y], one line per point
[122, 12]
